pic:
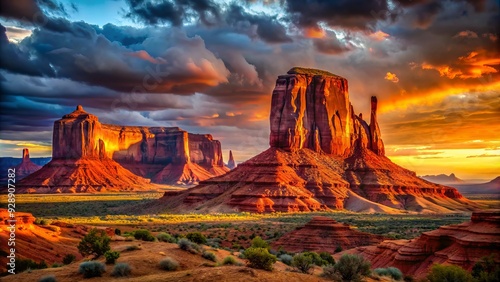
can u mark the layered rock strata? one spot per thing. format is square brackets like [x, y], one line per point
[322, 156]
[26, 167]
[461, 244]
[89, 156]
[323, 234]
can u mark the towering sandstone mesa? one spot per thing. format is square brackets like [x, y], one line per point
[231, 163]
[90, 156]
[322, 156]
[311, 109]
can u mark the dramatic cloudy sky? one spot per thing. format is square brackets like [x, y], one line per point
[209, 66]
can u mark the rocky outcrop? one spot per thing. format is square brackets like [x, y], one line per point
[461, 244]
[89, 156]
[26, 167]
[322, 157]
[231, 164]
[323, 234]
[311, 109]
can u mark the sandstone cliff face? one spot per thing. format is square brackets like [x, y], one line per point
[462, 244]
[26, 167]
[322, 157]
[313, 111]
[89, 156]
[323, 234]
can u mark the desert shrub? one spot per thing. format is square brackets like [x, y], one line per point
[144, 235]
[286, 259]
[348, 268]
[258, 242]
[132, 248]
[169, 264]
[25, 264]
[453, 273]
[56, 265]
[96, 243]
[302, 262]
[118, 232]
[486, 270]
[121, 270]
[196, 237]
[209, 256]
[338, 249]
[91, 269]
[229, 260]
[165, 237]
[69, 258]
[47, 278]
[189, 246]
[316, 258]
[392, 272]
[260, 258]
[111, 256]
[327, 258]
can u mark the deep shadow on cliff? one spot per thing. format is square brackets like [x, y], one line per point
[322, 157]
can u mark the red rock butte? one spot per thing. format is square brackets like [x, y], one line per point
[322, 156]
[460, 244]
[89, 156]
[26, 167]
[323, 234]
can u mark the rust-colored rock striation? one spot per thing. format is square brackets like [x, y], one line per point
[461, 244]
[231, 164]
[89, 156]
[26, 167]
[322, 157]
[323, 234]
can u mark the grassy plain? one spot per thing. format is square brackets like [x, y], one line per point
[234, 228]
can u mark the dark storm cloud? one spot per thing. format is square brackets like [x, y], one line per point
[269, 28]
[353, 14]
[174, 12]
[32, 11]
[331, 45]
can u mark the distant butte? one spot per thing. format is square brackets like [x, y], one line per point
[26, 167]
[89, 156]
[322, 156]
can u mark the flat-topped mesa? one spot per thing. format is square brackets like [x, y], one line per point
[146, 151]
[311, 109]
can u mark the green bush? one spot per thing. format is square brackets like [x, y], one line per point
[91, 269]
[209, 256]
[56, 265]
[25, 264]
[96, 243]
[189, 246]
[69, 258]
[196, 237]
[118, 232]
[111, 256]
[453, 273]
[144, 235]
[165, 237]
[47, 278]
[327, 258]
[260, 258]
[229, 260]
[133, 248]
[486, 270]
[302, 262]
[392, 272]
[121, 270]
[258, 242]
[316, 258]
[286, 259]
[338, 249]
[348, 268]
[169, 264]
